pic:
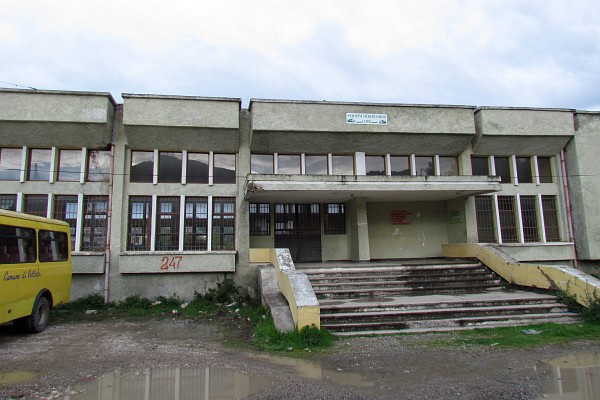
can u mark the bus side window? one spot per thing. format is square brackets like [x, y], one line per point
[53, 246]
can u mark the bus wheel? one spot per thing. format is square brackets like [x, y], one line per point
[37, 321]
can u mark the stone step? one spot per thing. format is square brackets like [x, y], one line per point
[461, 322]
[398, 276]
[420, 282]
[391, 269]
[455, 287]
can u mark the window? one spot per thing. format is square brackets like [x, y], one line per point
[167, 223]
[550, 213]
[98, 166]
[524, 170]
[17, 245]
[197, 168]
[400, 165]
[448, 166]
[53, 246]
[479, 166]
[529, 219]
[224, 168]
[484, 213]
[8, 202]
[260, 219]
[261, 163]
[140, 211]
[335, 219]
[196, 223]
[342, 165]
[502, 166]
[169, 167]
[375, 165]
[545, 169]
[65, 209]
[95, 212]
[10, 164]
[36, 204]
[315, 164]
[424, 166]
[508, 224]
[288, 164]
[39, 164]
[69, 165]
[223, 223]
[142, 166]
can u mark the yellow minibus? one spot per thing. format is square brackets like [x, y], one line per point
[35, 269]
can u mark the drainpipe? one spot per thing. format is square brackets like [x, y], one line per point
[109, 210]
[571, 230]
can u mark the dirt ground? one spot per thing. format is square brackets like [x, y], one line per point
[395, 367]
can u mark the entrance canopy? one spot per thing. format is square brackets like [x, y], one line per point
[339, 188]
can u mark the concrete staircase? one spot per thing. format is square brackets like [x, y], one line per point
[418, 296]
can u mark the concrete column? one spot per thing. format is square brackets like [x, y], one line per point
[357, 229]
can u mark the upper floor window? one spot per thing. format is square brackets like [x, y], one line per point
[424, 166]
[197, 168]
[10, 164]
[39, 164]
[224, 168]
[142, 166]
[545, 169]
[342, 165]
[524, 170]
[502, 165]
[98, 166]
[448, 166]
[169, 167]
[400, 165]
[69, 165]
[261, 163]
[375, 165]
[315, 164]
[288, 164]
[479, 166]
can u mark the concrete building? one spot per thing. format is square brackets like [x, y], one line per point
[167, 194]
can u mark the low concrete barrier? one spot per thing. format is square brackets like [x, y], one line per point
[294, 286]
[570, 280]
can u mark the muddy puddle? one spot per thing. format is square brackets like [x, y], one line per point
[573, 377]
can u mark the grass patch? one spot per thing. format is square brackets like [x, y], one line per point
[517, 337]
[267, 337]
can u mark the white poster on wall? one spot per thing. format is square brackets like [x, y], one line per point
[366, 119]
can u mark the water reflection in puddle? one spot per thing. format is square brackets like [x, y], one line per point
[172, 383]
[574, 377]
[16, 377]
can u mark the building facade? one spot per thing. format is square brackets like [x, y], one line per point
[166, 194]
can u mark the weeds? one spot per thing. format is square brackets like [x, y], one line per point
[590, 314]
[267, 337]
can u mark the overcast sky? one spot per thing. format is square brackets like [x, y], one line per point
[542, 53]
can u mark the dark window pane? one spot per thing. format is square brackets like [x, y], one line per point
[448, 166]
[167, 223]
[53, 246]
[197, 168]
[138, 229]
[508, 224]
[400, 165]
[524, 170]
[17, 245]
[224, 168]
[545, 169]
[288, 164]
[375, 165]
[260, 219]
[315, 165]
[550, 218]
[8, 202]
[65, 209]
[223, 223]
[335, 219]
[69, 165]
[342, 165]
[479, 166]
[196, 223]
[484, 213]
[95, 212]
[424, 166]
[10, 164]
[142, 166]
[98, 166]
[502, 169]
[529, 219]
[261, 163]
[169, 167]
[39, 164]
[36, 204]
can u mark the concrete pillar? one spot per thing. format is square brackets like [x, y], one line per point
[357, 229]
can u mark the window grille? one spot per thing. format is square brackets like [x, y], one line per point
[223, 223]
[167, 224]
[65, 209]
[36, 204]
[529, 219]
[140, 212]
[484, 212]
[196, 224]
[260, 219]
[8, 202]
[95, 212]
[550, 218]
[508, 223]
[335, 219]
